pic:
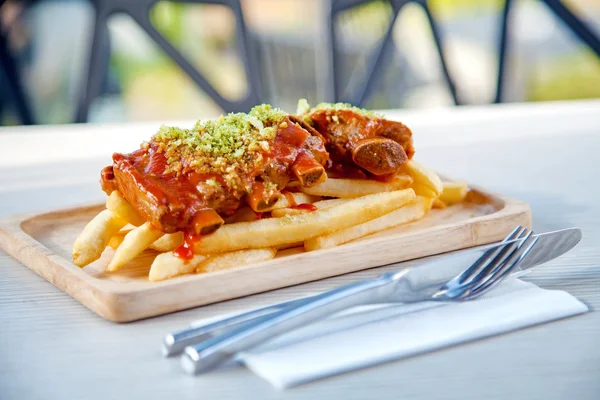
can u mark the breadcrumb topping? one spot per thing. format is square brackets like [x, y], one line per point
[231, 146]
[304, 108]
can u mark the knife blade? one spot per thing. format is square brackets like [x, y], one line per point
[439, 270]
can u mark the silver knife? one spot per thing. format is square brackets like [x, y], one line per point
[549, 246]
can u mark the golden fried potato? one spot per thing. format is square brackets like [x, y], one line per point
[423, 178]
[290, 199]
[425, 191]
[235, 259]
[289, 229]
[244, 214]
[412, 211]
[119, 206]
[454, 192]
[168, 242]
[94, 238]
[167, 265]
[135, 242]
[118, 238]
[437, 203]
[325, 204]
[321, 205]
[352, 188]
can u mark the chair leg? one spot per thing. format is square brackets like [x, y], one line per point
[9, 68]
[378, 57]
[98, 62]
[334, 72]
[503, 50]
[577, 26]
[439, 47]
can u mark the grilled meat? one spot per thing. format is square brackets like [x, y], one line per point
[188, 180]
[359, 138]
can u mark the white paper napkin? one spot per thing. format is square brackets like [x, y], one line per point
[371, 335]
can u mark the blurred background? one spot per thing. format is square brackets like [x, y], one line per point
[67, 61]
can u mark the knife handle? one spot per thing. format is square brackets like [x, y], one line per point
[212, 352]
[175, 343]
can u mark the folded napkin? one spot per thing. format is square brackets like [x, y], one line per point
[370, 335]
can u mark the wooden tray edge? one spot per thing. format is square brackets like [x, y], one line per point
[124, 305]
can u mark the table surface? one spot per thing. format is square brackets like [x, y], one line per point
[51, 347]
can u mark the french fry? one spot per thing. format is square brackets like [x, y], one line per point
[408, 213]
[425, 191]
[117, 239]
[167, 265]
[325, 204]
[244, 214]
[276, 231]
[134, 243]
[352, 188]
[234, 259]
[168, 242]
[288, 245]
[321, 205]
[454, 192]
[119, 206]
[290, 199]
[437, 203]
[282, 212]
[423, 177]
[94, 238]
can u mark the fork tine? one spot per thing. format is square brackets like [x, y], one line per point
[482, 261]
[506, 256]
[486, 270]
[507, 267]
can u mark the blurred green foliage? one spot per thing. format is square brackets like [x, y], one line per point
[572, 76]
[167, 18]
[449, 9]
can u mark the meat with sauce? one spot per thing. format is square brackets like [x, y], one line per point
[188, 180]
[358, 138]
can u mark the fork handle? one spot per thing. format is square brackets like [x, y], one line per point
[176, 342]
[212, 352]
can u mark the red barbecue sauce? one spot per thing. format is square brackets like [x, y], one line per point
[305, 206]
[186, 250]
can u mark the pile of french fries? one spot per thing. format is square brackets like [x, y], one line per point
[346, 210]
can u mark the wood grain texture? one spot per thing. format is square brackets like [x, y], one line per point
[43, 242]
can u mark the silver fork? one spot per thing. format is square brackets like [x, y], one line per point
[403, 286]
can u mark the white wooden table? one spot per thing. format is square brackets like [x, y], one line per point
[51, 347]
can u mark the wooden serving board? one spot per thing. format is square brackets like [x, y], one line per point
[43, 243]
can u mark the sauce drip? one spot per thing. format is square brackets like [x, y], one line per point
[305, 206]
[290, 198]
[186, 250]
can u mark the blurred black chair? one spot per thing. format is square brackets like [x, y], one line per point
[12, 62]
[11, 84]
[358, 96]
[376, 59]
[581, 30]
[95, 76]
[139, 11]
